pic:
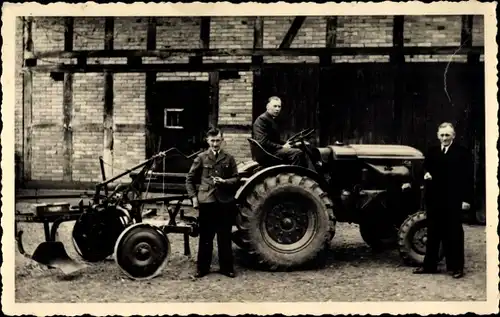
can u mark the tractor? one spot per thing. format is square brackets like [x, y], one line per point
[287, 214]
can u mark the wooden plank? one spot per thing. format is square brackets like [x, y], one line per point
[292, 32]
[475, 107]
[397, 59]
[27, 106]
[213, 78]
[211, 52]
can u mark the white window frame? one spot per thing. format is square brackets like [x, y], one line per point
[165, 116]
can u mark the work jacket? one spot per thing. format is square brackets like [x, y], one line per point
[204, 167]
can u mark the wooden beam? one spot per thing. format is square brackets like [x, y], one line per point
[213, 79]
[109, 26]
[123, 68]
[108, 100]
[68, 34]
[150, 83]
[205, 32]
[27, 106]
[204, 39]
[323, 111]
[151, 34]
[466, 38]
[315, 51]
[68, 106]
[397, 54]
[292, 31]
[258, 39]
[68, 130]
[257, 62]
[236, 127]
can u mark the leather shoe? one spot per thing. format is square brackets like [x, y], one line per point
[457, 274]
[422, 270]
[228, 274]
[200, 274]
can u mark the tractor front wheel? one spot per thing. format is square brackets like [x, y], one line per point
[286, 221]
[412, 239]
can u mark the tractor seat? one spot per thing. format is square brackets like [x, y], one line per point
[261, 156]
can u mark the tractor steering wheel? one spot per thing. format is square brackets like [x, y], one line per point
[298, 137]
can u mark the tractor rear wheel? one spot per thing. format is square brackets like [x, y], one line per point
[286, 221]
[412, 239]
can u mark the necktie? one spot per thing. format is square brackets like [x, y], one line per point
[444, 149]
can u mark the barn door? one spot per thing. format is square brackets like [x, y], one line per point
[360, 107]
[298, 90]
[178, 117]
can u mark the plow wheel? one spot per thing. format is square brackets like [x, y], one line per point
[142, 251]
[96, 231]
[412, 239]
[286, 221]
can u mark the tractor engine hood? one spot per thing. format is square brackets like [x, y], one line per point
[375, 151]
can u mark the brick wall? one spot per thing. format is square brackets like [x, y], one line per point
[235, 95]
[18, 112]
[88, 112]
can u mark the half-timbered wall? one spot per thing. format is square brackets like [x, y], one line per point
[235, 95]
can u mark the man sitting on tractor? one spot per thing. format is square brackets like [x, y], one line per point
[265, 131]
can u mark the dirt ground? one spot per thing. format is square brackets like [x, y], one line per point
[352, 272]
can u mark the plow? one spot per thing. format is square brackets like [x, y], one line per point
[111, 223]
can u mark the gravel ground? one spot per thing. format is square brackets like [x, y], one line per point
[352, 272]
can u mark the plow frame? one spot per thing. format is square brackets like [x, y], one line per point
[64, 212]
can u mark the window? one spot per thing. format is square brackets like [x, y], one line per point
[172, 118]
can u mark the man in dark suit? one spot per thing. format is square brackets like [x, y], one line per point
[449, 190]
[265, 131]
[217, 175]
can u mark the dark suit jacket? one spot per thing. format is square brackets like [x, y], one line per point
[265, 131]
[452, 177]
[203, 168]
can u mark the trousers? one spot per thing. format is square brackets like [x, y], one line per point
[215, 219]
[292, 156]
[445, 226]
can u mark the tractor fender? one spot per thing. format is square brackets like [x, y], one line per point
[273, 170]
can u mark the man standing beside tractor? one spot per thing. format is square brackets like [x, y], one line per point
[448, 175]
[217, 175]
[265, 131]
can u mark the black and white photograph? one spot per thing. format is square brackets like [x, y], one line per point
[249, 158]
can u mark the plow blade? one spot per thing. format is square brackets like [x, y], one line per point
[53, 255]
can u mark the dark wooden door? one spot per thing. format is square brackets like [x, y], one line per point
[434, 93]
[177, 117]
[298, 89]
[359, 106]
